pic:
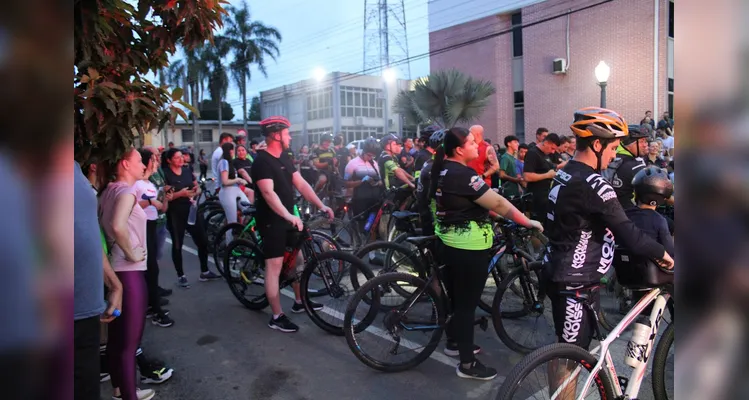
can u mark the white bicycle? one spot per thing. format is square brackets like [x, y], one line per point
[564, 371]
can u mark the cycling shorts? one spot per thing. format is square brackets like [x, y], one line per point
[573, 321]
[276, 236]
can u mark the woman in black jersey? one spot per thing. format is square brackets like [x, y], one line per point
[184, 187]
[463, 201]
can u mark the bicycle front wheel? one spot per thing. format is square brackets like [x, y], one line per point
[392, 333]
[663, 366]
[556, 371]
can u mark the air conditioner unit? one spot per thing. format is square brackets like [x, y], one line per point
[559, 66]
[359, 121]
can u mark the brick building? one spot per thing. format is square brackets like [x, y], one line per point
[514, 44]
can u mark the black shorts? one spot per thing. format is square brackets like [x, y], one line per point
[573, 321]
[276, 236]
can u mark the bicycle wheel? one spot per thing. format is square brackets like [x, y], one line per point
[213, 223]
[218, 247]
[368, 325]
[342, 232]
[522, 322]
[385, 257]
[325, 278]
[663, 366]
[245, 273]
[562, 359]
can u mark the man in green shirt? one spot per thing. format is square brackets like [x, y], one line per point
[508, 173]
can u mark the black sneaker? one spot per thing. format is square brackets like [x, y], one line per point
[299, 307]
[283, 324]
[476, 371]
[163, 301]
[164, 292]
[162, 320]
[208, 276]
[155, 372]
[151, 313]
[451, 349]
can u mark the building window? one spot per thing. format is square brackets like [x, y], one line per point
[671, 96]
[319, 104]
[671, 19]
[351, 133]
[520, 124]
[519, 98]
[206, 136]
[517, 35]
[361, 102]
[313, 135]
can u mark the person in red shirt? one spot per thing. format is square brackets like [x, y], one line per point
[486, 164]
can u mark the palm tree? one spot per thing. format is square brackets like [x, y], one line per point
[251, 43]
[218, 78]
[445, 98]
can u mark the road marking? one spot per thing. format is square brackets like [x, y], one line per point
[436, 355]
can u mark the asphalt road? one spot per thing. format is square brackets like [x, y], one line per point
[221, 350]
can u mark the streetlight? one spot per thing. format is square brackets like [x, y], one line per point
[319, 74]
[602, 75]
[389, 75]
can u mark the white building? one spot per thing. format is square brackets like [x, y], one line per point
[356, 106]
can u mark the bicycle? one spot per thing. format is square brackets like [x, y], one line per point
[327, 269]
[602, 376]
[395, 323]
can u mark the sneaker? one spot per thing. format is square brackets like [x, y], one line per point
[156, 373]
[164, 292]
[451, 349]
[182, 282]
[299, 307]
[151, 313]
[283, 324]
[143, 394]
[163, 301]
[208, 276]
[104, 376]
[476, 371]
[162, 320]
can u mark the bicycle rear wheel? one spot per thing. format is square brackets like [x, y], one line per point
[245, 273]
[555, 363]
[663, 366]
[376, 334]
[219, 244]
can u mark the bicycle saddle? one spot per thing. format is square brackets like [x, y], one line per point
[245, 204]
[249, 210]
[421, 241]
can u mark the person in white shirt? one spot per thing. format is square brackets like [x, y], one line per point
[668, 145]
[218, 153]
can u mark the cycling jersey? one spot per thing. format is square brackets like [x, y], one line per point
[388, 165]
[620, 173]
[426, 206]
[584, 217]
[462, 224]
[422, 157]
[324, 156]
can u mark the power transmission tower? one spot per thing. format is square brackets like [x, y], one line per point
[385, 37]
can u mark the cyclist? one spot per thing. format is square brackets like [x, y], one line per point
[627, 164]
[463, 202]
[425, 204]
[276, 178]
[341, 153]
[426, 152]
[363, 176]
[323, 158]
[584, 217]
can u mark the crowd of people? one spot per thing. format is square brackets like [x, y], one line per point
[607, 179]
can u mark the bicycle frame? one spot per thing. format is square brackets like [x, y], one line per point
[660, 297]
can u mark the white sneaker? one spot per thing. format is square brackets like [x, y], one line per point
[143, 394]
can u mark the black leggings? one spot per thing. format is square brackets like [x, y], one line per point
[203, 171]
[176, 219]
[152, 265]
[465, 277]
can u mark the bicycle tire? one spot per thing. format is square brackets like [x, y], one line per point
[372, 285]
[259, 259]
[322, 223]
[498, 315]
[547, 353]
[356, 266]
[660, 391]
[218, 255]
[390, 249]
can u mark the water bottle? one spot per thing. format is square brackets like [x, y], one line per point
[193, 214]
[637, 346]
[370, 221]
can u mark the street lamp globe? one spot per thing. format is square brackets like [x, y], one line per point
[319, 74]
[602, 72]
[389, 74]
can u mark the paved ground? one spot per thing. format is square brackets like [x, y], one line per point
[220, 350]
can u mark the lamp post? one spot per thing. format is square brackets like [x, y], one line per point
[388, 76]
[602, 75]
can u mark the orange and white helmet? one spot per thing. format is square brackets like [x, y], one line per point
[599, 122]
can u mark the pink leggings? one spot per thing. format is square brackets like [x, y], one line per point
[126, 331]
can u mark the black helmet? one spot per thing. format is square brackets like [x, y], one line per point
[652, 186]
[429, 130]
[635, 133]
[371, 146]
[436, 139]
[326, 137]
[390, 137]
[338, 140]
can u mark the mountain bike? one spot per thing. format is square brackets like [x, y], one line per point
[568, 365]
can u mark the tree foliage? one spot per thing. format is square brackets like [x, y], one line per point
[209, 111]
[254, 109]
[116, 45]
[445, 98]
